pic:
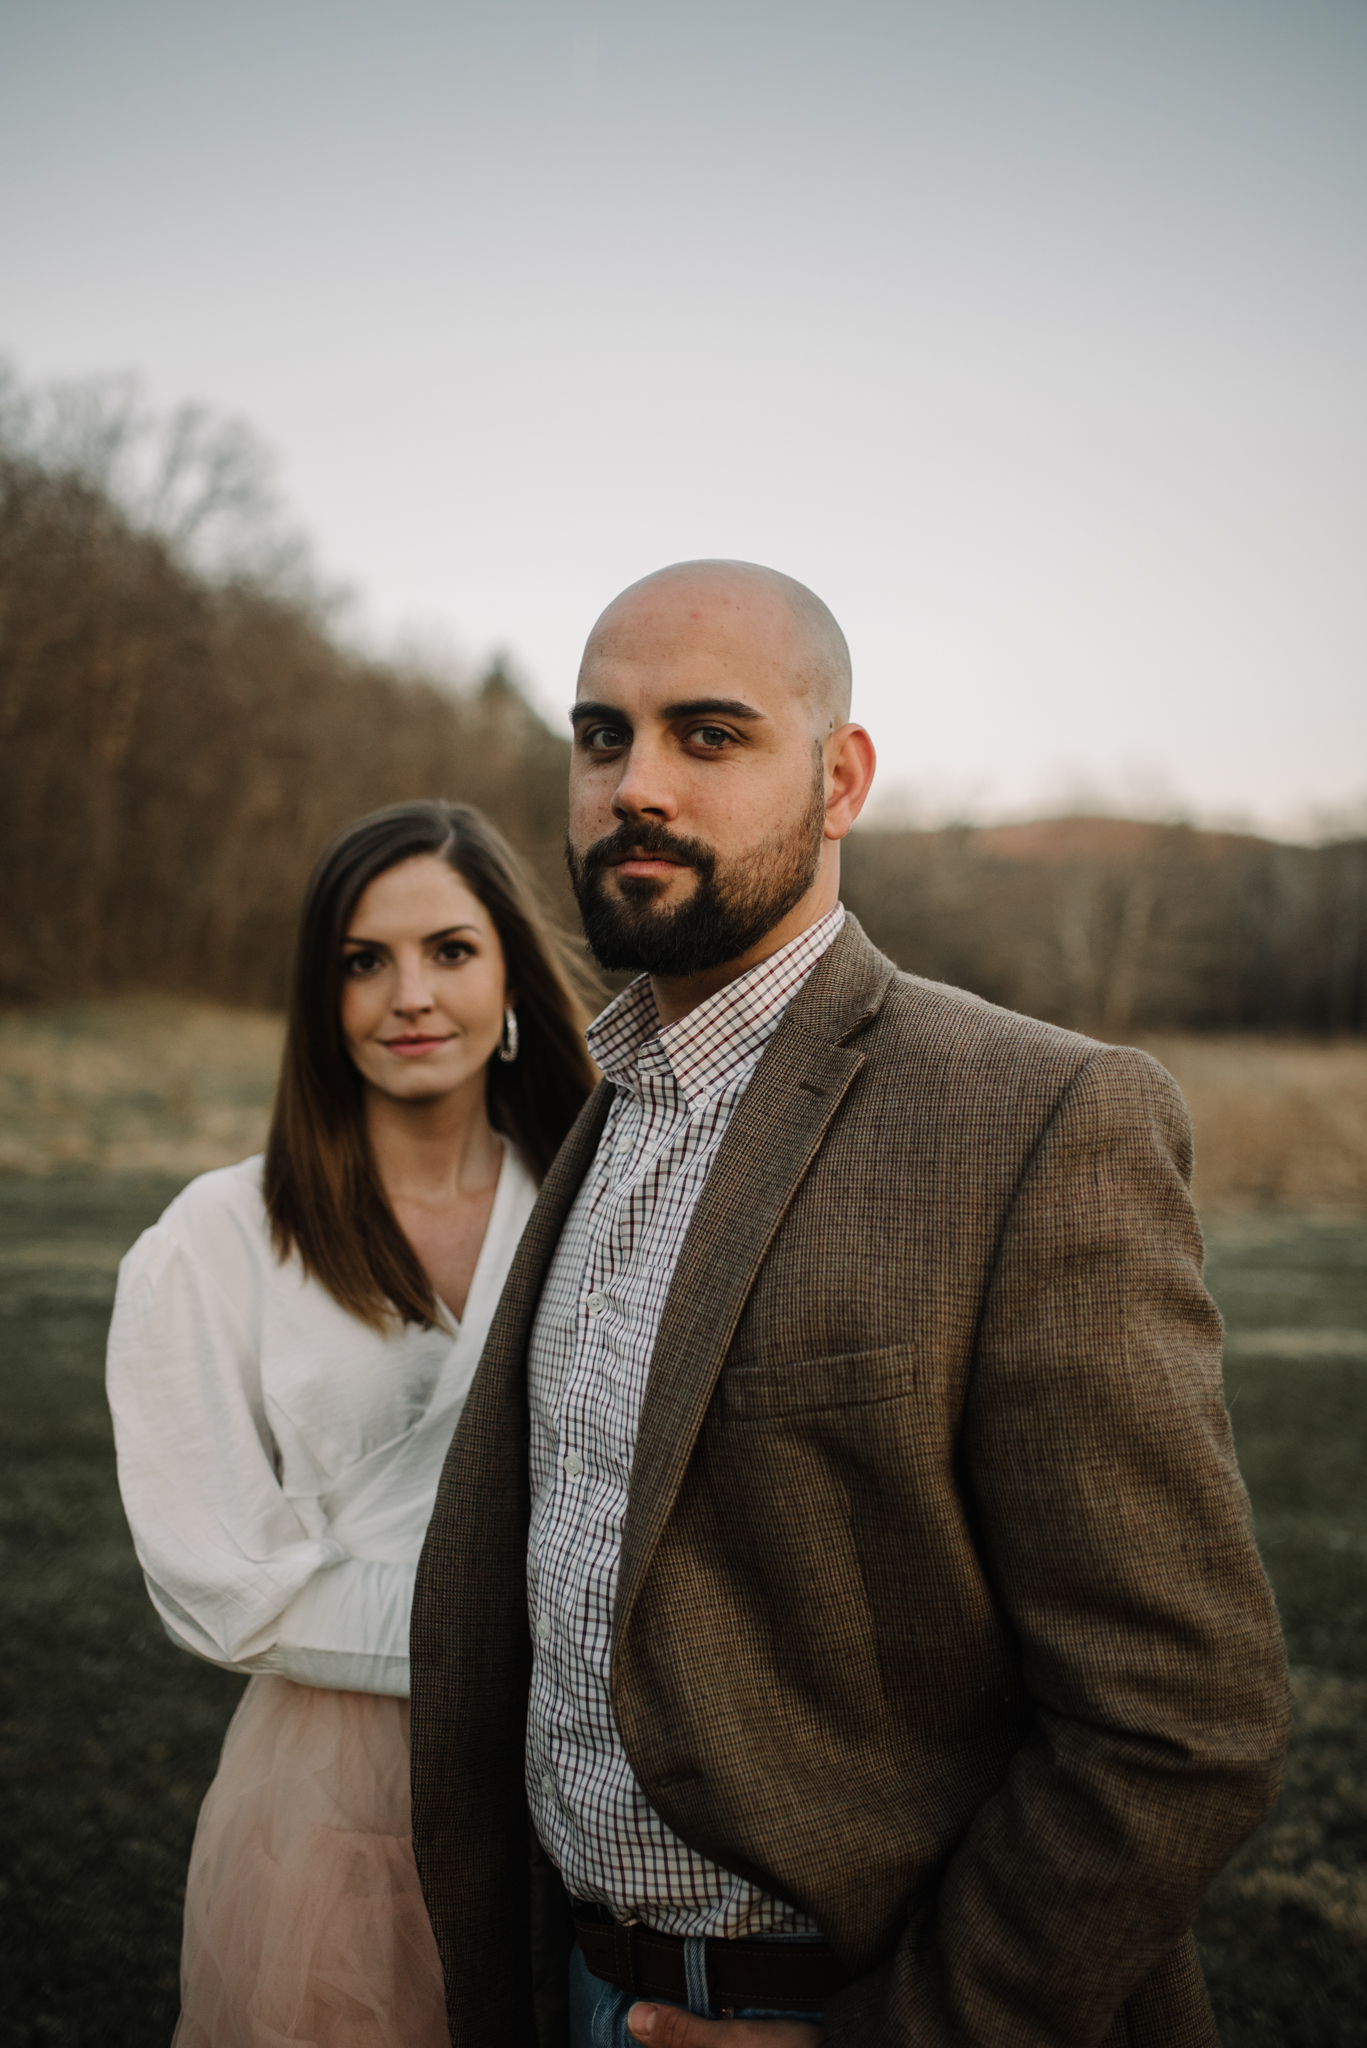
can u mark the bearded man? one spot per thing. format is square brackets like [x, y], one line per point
[842, 1553]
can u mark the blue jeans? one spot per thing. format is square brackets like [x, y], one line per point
[598, 2011]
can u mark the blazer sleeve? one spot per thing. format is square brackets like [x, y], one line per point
[234, 1572]
[1115, 1526]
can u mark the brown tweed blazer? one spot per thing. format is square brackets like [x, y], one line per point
[939, 1611]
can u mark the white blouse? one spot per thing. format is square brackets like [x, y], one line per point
[278, 1459]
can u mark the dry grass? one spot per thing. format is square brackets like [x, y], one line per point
[147, 1084]
[1279, 1122]
[162, 1085]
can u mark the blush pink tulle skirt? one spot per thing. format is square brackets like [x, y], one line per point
[304, 1921]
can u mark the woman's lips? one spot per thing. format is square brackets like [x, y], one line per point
[408, 1048]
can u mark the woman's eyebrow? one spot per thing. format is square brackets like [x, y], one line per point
[382, 945]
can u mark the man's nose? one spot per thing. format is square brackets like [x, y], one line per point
[644, 790]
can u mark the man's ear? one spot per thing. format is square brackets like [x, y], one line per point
[850, 765]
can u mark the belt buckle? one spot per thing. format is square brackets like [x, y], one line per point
[624, 1952]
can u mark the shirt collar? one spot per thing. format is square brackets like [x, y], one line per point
[723, 1035]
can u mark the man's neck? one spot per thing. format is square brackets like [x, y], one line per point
[676, 995]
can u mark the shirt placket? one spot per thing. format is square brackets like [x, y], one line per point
[592, 1434]
[613, 1290]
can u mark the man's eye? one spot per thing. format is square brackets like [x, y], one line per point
[604, 737]
[712, 735]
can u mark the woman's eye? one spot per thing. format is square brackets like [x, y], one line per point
[453, 952]
[361, 963]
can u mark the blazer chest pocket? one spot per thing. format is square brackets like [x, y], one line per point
[809, 1386]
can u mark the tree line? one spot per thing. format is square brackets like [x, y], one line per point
[183, 727]
[182, 730]
[1114, 926]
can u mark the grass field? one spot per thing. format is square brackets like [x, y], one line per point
[108, 1736]
[1284, 1931]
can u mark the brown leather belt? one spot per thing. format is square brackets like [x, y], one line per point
[787, 1976]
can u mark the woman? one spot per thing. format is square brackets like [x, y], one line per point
[291, 1347]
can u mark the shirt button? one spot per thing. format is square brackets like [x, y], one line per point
[543, 1627]
[574, 1465]
[548, 1784]
[598, 1304]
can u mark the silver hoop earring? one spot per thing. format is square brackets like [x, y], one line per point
[507, 1044]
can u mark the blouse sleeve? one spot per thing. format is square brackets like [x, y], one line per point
[231, 1569]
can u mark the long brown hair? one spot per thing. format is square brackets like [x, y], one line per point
[323, 1194]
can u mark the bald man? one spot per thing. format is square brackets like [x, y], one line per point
[841, 1559]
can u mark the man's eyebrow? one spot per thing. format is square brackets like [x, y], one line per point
[691, 707]
[716, 707]
[586, 708]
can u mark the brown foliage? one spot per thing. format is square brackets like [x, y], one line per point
[175, 751]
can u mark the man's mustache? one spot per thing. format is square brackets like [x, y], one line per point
[646, 838]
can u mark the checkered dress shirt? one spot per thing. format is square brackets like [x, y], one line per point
[590, 1358]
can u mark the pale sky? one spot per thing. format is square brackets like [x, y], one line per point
[1030, 333]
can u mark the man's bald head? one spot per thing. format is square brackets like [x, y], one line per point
[734, 603]
[713, 776]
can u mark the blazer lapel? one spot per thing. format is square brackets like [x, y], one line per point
[770, 1142]
[505, 1348]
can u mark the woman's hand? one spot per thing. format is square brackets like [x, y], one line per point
[669, 2026]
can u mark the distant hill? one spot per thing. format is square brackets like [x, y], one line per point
[1112, 925]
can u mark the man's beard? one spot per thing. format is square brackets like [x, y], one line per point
[728, 911]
